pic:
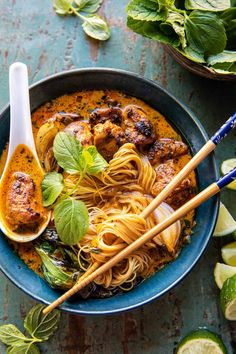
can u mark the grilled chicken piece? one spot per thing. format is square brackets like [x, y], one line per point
[64, 118]
[164, 174]
[81, 131]
[101, 115]
[21, 208]
[138, 128]
[164, 149]
[108, 137]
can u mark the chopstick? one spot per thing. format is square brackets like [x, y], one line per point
[187, 169]
[207, 193]
[191, 165]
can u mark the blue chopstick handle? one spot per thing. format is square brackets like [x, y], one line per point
[226, 179]
[224, 130]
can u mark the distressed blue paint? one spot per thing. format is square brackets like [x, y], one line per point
[31, 32]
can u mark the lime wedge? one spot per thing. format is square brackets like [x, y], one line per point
[223, 272]
[225, 223]
[228, 298]
[228, 253]
[201, 342]
[227, 166]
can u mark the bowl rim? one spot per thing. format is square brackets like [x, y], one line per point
[65, 306]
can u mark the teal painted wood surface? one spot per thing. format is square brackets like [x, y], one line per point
[31, 32]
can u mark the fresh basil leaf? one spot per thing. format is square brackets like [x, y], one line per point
[52, 186]
[95, 162]
[209, 5]
[11, 335]
[24, 348]
[95, 27]
[68, 153]
[71, 220]
[225, 72]
[191, 54]
[39, 325]
[88, 6]
[145, 10]
[226, 67]
[55, 274]
[205, 32]
[229, 19]
[176, 21]
[152, 30]
[224, 61]
[164, 3]
[231, 34]
[228, 15]
[62, 7]
[224, 57]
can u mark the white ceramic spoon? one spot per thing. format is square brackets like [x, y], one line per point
[20, 133]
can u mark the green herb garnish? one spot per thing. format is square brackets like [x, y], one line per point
[93, 25]
[39, 326]
[71, 220]
[73, 158]
[52, 186]
[71, 215]
[198, 29]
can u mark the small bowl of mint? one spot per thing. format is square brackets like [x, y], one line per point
[200, 34]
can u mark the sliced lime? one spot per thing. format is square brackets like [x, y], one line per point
[223, 272]
[228, 253]
[225, 223]
[228, 298]
[227, 166]
[201, 342]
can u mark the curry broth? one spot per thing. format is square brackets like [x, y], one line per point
[22, 160]
[82, 103]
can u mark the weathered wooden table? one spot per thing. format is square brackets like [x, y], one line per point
[31, 32]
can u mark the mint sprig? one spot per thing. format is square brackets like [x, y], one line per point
[39, 326]
[93, 25]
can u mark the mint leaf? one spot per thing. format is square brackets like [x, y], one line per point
[23, 348]
[89, 6]
[145, 10]
[152, 30]
[95, 162]
[52, 186]
[39, 325]
[209, 5]
[62, 7]
[205, 32]
[71, 220]
[11, 335]
[95, 27]
[68, 153]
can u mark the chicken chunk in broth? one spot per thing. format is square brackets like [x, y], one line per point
[144, 152]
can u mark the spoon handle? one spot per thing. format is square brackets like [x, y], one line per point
[20, 117]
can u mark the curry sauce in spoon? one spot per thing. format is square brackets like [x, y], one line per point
[22, 215]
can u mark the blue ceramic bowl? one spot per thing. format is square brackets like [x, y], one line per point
[192, 131]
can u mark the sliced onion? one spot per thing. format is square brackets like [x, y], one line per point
[169, 236]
